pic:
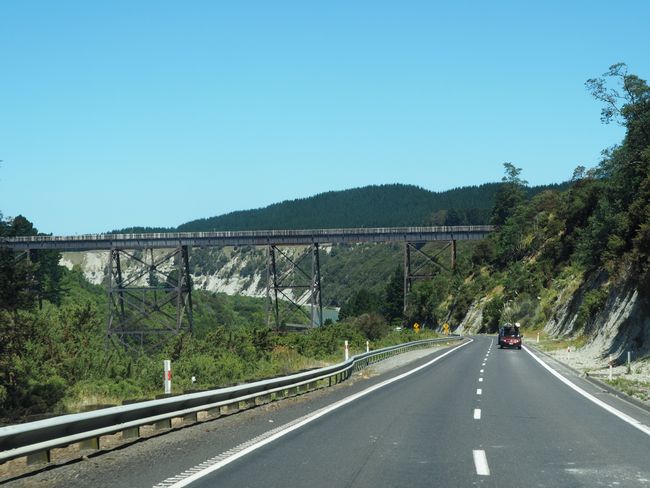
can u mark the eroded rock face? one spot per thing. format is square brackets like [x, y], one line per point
[473, 320]
[622, 325]
[232, 276]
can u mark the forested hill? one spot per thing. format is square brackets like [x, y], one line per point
[392, 205]
[370, 206]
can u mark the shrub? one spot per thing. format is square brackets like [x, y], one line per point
[492, 315]
[592, 303]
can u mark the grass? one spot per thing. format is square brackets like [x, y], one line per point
[548, 343]
[634, 388]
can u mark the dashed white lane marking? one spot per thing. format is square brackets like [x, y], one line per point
[480, 380]
[624, 417]
[481, 371]
[477, 414]
[218, 462]
[479, 391]
[480, 462]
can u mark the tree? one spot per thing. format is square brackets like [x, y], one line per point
[625, 107]
[622, 208]
[362, 302]
[509, 196]
[394, 296]
[24, 279]
[492, 315]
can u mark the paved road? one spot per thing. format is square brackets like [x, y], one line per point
[415, 428]
[425, 430]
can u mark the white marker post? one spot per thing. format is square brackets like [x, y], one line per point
[628, 361]
[167, 378]
[538, 338]
[368, 349]
[347, 351]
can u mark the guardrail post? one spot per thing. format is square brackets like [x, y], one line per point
[42, 457]
[131, 433]
[214, 412]
[190, 417]
[163, 424]
[262, 399]
[90, 444]
[246, 404]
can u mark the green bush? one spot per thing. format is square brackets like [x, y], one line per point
[592, 303]
[492, 315]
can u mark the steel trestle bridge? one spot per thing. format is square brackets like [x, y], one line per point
[131, 304]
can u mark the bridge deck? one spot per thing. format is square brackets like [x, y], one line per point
[247, 238]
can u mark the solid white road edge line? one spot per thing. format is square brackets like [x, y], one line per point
[624, 417]
[480, 462]
[316, 415]
[477, 414]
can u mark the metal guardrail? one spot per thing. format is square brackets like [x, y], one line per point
[43, 435]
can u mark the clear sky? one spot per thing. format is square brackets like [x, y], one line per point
[154, 113]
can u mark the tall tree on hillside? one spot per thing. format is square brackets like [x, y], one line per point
[510, 195]
[626, 202]
[393, 307]
[16, 276]
[34, 277]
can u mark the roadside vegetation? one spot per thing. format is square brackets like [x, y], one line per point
[54, 355]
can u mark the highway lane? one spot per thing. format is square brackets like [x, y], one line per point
[426, 430]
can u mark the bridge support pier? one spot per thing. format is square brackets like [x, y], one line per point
[152, 300]
[295, 276]
[419, 267]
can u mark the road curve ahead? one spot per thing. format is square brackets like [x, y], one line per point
[477, 416]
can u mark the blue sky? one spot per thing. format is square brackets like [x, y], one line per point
[155, 113]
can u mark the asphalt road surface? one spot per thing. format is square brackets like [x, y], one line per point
[470, 415]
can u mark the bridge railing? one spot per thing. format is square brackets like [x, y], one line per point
[257, 234]
[41, 436]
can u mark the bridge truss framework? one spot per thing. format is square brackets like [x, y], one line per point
[140, 304]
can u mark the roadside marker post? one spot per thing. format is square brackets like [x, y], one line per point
[368, 347]
[347, 351]
[167, 378]
[538, 338]
[629, 370]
